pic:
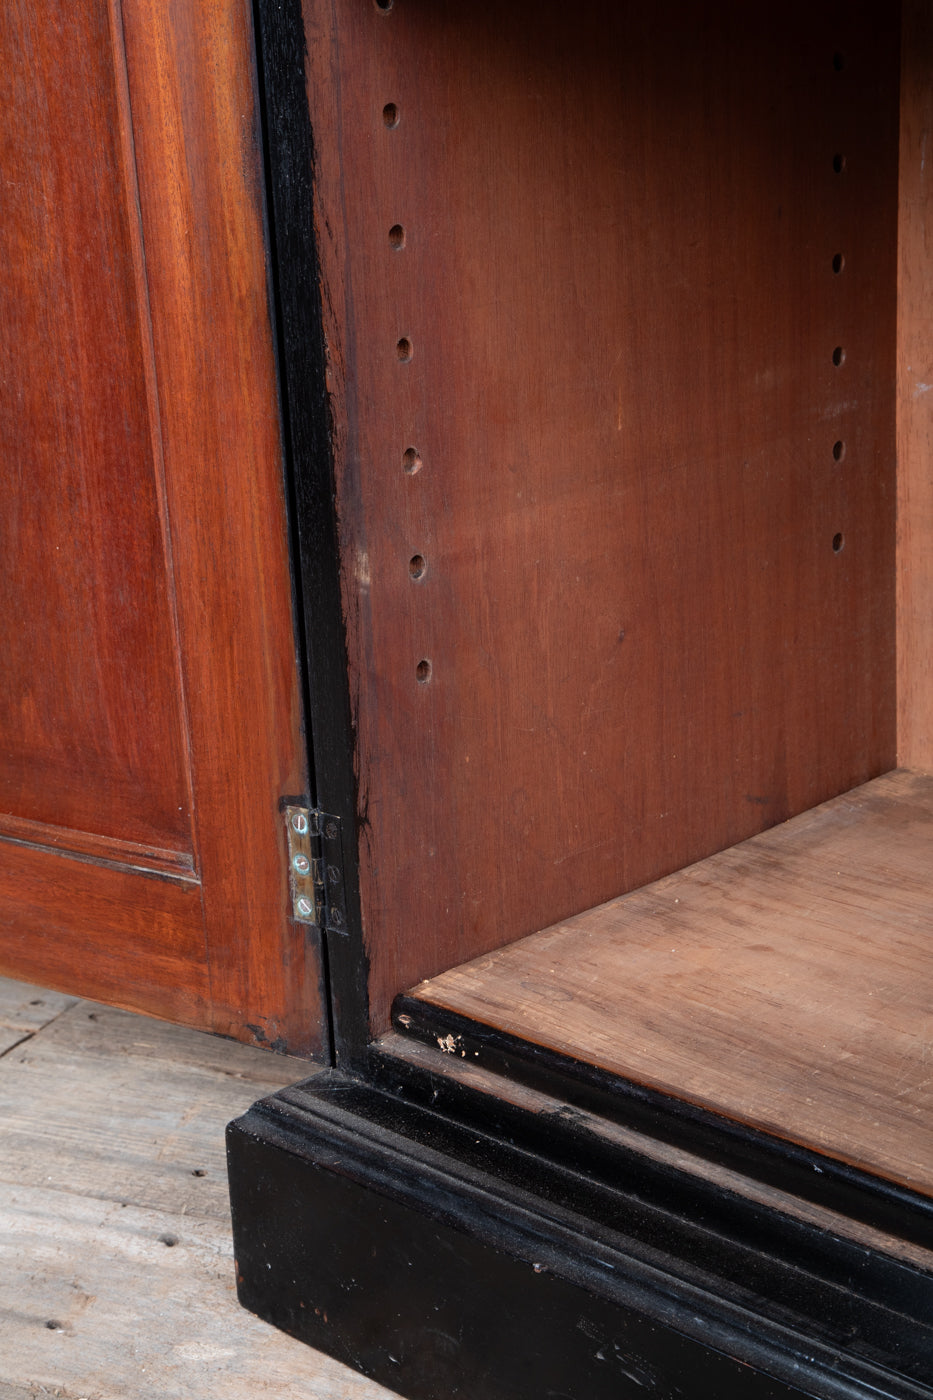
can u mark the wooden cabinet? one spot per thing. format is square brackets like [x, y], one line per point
[577, 362]
[624, 387]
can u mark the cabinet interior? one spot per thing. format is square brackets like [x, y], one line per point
[783, 983]
[620, 383]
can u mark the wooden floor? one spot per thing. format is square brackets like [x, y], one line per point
[787, 982]
[116, 1263]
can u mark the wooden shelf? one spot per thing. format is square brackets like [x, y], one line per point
[784, 983]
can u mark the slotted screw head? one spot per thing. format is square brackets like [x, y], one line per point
[304, 906]
[300, 864]
[299, 823]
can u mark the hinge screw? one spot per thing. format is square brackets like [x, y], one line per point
[336, 917]
[300, 823]
[301, 864]
[304, 906]
[330, 831]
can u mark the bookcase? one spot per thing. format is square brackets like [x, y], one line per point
[622, 365]
[467, 586]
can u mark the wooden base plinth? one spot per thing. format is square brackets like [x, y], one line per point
[446, 1254]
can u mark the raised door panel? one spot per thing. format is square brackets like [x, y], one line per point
[149, 705]
[90, 696]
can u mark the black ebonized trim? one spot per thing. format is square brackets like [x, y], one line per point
[575, 1140]
[881, 1204]
[290, 164]
[446, 1261]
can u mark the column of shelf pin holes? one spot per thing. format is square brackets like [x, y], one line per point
[838, 266]
[411, 460]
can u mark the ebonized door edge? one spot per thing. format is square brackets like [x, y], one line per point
[289, 159]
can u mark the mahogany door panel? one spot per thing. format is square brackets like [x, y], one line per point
[90, 647]
[149, 707]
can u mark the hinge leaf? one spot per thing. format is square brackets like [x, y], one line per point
[315, 868]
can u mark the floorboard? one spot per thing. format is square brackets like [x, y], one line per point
[25, 1009]
[116, 1262]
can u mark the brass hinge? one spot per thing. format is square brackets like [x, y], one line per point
[315, 868]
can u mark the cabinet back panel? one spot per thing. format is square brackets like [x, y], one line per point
[914, 406]
[610, 300]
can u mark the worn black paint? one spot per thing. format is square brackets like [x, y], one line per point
[884, 1205]
[444, 1264]
[713, 1221]
[289, 155]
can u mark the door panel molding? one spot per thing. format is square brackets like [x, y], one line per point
[192, 924]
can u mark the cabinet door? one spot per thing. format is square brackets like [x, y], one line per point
[149, 705]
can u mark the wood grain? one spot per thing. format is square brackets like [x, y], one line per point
[914, 399]
[110, 849]
[784, 983]
[137, 939]
[607, 239]
[96, 1063]
[113, 1143]
[136, 1317]
[149, 698]
[198, 154]
[25, 1009]
[89, 689]
[28, 1007]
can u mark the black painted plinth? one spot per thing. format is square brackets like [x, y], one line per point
[446, 1261]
